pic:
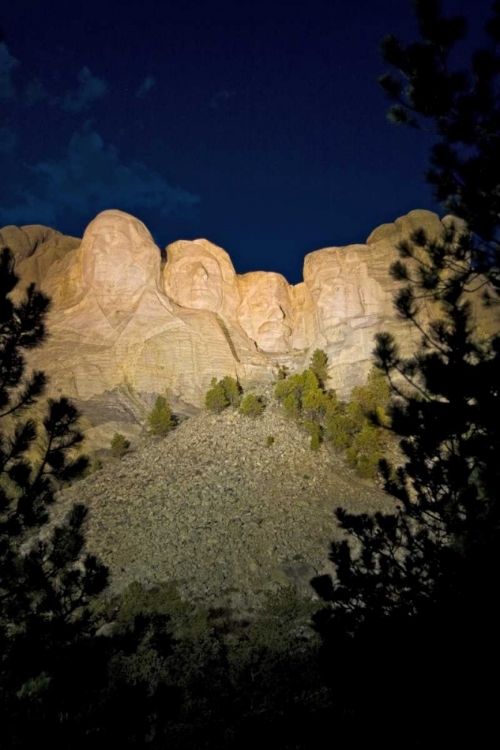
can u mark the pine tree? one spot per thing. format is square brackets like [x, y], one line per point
[319, 366]
[160, 418]
[215, 398]
[47, 584]
[223, 393]
[251, 405]
[232, 389]
[119, 445]
[462, 108]
[413, 597]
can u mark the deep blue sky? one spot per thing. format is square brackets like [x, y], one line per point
[258, 125]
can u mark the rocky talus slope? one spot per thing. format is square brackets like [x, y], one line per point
[217, 509]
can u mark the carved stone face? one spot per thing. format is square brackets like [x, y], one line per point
[265, 310]
[200, 276]
[332, 278]
[196, 282]
[119, 257]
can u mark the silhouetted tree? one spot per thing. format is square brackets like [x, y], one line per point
[47, 584]
[462, 108]
[413, 600]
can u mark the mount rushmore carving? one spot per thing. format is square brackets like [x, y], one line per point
[123, 318]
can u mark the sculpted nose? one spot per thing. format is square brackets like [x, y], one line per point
[200, 272]
[276, 313]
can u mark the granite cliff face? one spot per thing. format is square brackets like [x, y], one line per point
[123, 329]
[36, 248]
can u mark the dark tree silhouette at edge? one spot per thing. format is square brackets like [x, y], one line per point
[411, 632]
[47, 583]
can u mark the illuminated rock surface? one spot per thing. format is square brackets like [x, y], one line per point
[123, 329]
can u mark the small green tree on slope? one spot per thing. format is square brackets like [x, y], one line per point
[414, 600]
[319, 366]
[47, 584]
[160, 417]
[119, 445]
[252, 405]
[223, 393]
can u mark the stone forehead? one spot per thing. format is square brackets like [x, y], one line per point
[198, 250]
[119, 219]
[264, 280]
[403, 227]
[340, 257]
[193, 248]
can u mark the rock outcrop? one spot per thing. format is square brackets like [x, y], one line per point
[36, 248]
[123, 330]
[112, 324]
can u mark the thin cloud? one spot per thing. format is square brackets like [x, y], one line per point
[90, 177]
[221, 96]
[148, 83]
[91, 88]
[7, 65]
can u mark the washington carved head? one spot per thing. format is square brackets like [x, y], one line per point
[119, 257]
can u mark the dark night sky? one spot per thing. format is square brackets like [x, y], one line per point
[258, 125]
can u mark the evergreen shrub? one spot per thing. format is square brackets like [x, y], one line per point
[119, 445]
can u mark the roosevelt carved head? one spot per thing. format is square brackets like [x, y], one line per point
[201, 276]
[265, 312]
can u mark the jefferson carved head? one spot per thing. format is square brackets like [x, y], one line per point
[119, 257]
[201, 276]
[265, 313]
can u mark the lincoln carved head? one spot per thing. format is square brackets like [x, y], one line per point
[332, 278]
[265, 313]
